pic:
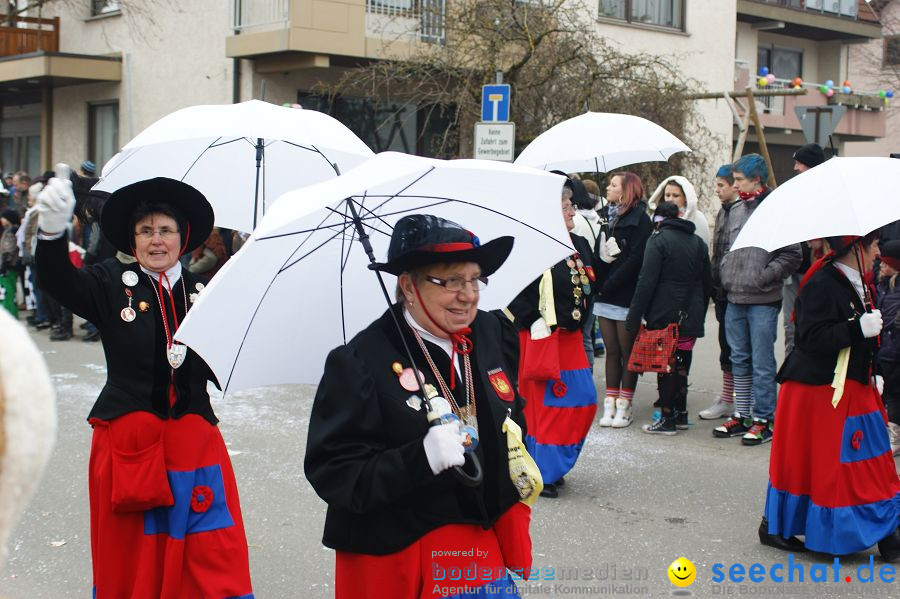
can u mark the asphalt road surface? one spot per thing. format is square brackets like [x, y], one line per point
[633, 504]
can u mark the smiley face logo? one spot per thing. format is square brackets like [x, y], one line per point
[682, 572]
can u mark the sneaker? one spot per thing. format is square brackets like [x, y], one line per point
[733, 427]
[609, 410]
[681, 420]
[662, 426]
[894, 434]
[92, 336]
[61, 335]
[719, 409]
[40, 325]
[759, 433]
[599, 351]
[623, 414]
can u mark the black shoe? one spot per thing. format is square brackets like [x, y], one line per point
[664, 425]
[61, 335]
[889, 547]
[561, 482]
[681, 420]
[93, 336]
[550, 491]
[83, 326]
[777, 541]
[599, 351]
[40, 325]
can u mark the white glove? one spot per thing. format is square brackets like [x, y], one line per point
[612, 248]
[539, 329]
[444, 447]
[603, 246]
[870, 323]
[56, 202]
[879, 384]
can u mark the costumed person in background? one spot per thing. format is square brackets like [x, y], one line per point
[832, 477]
[620, 262]
[554, 377]
[675, 286]
[165, 515]
[398, 517]
[681, 192]
[10, 262]
[207, 259]
[889, 353]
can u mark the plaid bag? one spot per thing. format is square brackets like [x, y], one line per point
[654, 350]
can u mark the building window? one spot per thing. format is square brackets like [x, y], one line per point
[784, 63]
[103, 132]
[104, 7]
[891, 50]
[662, 13]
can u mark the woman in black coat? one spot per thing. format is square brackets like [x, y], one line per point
[674, 286]
[619, 264]
[398, 517]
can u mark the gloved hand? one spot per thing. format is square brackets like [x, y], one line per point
[603, 247]
[539, 329]
[870, 323]
[879, 384]
[444, 447]
[56, 202]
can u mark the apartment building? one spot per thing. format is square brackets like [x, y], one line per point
[79, 79]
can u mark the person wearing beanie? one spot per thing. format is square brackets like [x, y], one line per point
[88, 169]
[888, 293]
[807, 157]
[723, 406]
[9, 260]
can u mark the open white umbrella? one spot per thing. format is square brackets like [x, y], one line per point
[242, 157]
[600, 142]
[301, 285]
[841, 196]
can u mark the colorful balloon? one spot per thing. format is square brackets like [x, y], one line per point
[823, 89]
[830, 92]
[829, 83]
[889, 93]
[882, 94]
[847, 89]
[762, 82]
[763, 71]
[770, 78]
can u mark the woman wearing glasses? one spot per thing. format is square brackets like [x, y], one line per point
[401, 521]
[555, 377]
[165, 514]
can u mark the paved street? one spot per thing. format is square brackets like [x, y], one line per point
[633, 504]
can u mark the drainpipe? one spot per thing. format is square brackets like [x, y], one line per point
[236, 62]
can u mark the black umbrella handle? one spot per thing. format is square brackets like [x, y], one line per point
[472, 462]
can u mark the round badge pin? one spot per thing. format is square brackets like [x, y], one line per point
[408, 379]
[127, 314]
[199, 286]
[440, 405]
[470, 436]
[143, 306]
[130, 278]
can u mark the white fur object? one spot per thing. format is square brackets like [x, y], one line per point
[28, 422]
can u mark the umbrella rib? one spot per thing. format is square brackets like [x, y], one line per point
[312, 148]
[374, 216]
[197, 159]
[343, 262]
[215, 144]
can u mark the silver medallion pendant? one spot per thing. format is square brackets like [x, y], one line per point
[130, 278]
[176, 355]
[127, 313]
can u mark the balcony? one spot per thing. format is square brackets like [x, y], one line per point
[408, 20]
[28, 35]
[819, 20]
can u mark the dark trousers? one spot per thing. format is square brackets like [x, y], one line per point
[724, 348]
[60, 316]
[891, 396]
[673, 386]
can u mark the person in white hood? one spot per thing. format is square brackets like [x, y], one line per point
[680, 191]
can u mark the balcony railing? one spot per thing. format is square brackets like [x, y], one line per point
[405, 19]
[28, 34]
[257, 14]
[842, 8]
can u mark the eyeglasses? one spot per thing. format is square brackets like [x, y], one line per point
[164, 233]
[457, 284]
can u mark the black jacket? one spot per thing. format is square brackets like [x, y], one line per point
[619, 278]
[525, 306]
[138, 372]
[827, 320]
[364, 452]
[675, 277]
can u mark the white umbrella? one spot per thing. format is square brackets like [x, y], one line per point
[841, 196]
[242, 157]
[600, 142]
[301, 285]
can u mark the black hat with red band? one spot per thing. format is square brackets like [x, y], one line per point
[194, 213]
[890, 254]
[421, 239]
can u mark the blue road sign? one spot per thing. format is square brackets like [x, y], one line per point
[495, 103]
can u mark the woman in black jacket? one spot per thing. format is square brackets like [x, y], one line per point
[674, 286]
[619, 264]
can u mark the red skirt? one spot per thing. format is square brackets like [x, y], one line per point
[454, 560]
[165, 515]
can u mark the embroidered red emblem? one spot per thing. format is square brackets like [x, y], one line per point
[856, 439]
[559, 388]
[201, 498]
[501, 384]
[590, 273]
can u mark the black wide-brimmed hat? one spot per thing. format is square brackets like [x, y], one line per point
[194, 211]
[421, 239]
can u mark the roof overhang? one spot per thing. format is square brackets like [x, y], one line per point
[808, 24]
[26, 75]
